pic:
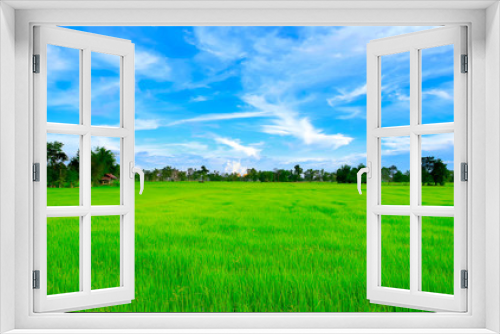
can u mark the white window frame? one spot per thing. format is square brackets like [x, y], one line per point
[483, 247]
[86, 44]
[413, 43]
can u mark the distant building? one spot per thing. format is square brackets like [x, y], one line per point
[108, 179]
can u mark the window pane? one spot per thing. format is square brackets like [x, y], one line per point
[437, 169]
[437, 254]
[395, 261]
[105, 90]
[105, 252]
[395, 171]
[63, 85]
[105, 171]
[395, 89]
[63, 255]
[437, 84]
[63, 170]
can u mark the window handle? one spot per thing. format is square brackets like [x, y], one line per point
[139, 171]
[368, 171]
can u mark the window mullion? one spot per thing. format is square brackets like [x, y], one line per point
[415, 253]
[85, 165]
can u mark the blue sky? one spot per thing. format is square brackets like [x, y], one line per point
[232, 98]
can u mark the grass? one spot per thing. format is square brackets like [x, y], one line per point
[252, 247]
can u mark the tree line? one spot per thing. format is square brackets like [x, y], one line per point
[64, 172]
[296, 174]
[434, 172]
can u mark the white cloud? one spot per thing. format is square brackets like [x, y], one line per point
[288, 122]
[395, 145]
[147, 124]
[401, 96]
[105, 61]
[171, 149]
[328, 163]
[277, 65]
[199, 98]
[347, 96]
[351, 112]
[218, 41]
[151, 65]
[440, 93]
[439, 142]
[235, 167]
[235, 145]
[112, 144]
[193, 146]
[107, 142]
[63, 78]
[106, 87]
[220, 117]
[64, 98]
[62, 59]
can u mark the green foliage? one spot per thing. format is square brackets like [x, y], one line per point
[388, 173]
[434, 171]
[297, 172]
[343, 174]
[256, 247]
[56, 169]
[348, 174]
[103, 162]
[60, 174]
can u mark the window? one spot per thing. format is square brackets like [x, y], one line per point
[70, 234]
[474, 318]
[412, 220]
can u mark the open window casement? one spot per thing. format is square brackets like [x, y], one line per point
[413, 46]
[85, 293]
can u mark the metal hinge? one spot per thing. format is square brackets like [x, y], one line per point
[36, 279]
[464, 171]
[36, 172]
[36, 63]
[465, 64]
[465, 279]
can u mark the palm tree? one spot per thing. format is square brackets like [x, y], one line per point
[277, 173]
[147, 175]
[55, 153]
[298, 171]
[309, 174]
[74, 163]
[204, 171]
[102, 162]
[166, 172]
[157, 174]
[55, 163]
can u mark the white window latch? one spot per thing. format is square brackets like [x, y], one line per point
[368, 171]
[139, 171]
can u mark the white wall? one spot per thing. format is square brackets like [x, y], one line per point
[492, 166]
[7, 160]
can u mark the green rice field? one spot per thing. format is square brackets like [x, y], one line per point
[251, 247]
